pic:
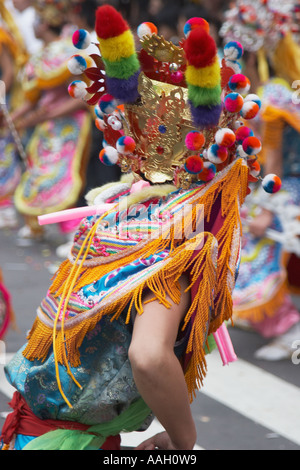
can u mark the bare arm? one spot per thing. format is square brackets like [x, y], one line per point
[158, 373]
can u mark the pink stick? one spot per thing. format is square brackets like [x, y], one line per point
[224, 344]
[71, 214]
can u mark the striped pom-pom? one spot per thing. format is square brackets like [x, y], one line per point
[109, 156]
[233, 102]
[107, 104]
[252, 145]
[249, 110]
[217, 154]
[118, 53]
[233, 50]
[225, 137]
[194, 23]
[208, 172]
[271, 183]
[126, 145]
[203, 78]
[146, 29]
[77, 89]
[254, 98]
[194, 141]
[193, 164]
[81, 39]
[242, 133]
[239, 83]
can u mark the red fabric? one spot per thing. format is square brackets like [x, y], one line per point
[23, 421]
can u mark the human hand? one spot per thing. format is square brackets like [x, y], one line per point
[160, 441]
[259, 224]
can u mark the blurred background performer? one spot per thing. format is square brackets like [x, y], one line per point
[269, 32]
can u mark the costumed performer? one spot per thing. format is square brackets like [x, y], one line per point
[58, 148]
[124, 329]
[270, 256]
[13, 57]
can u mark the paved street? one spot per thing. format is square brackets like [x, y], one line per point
[248, 405]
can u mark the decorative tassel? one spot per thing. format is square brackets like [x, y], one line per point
[203, 77]
[118, 53]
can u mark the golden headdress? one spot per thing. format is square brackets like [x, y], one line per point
[168, 113]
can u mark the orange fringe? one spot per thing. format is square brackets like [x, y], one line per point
[257, 313]
[213, 295]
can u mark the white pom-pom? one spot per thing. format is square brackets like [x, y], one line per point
[77, 65]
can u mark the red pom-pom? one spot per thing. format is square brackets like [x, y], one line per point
[194, 164]
[109, 22]
[200, 48]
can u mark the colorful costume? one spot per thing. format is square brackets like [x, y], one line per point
[10, 165]
[6, 311]
[175, 212]
[262, 292]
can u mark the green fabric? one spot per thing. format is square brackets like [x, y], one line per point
[92, 439]
[211, 344]
[124, 68]
[204, 96]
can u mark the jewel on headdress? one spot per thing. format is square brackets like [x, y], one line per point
[233, 102]
[81, 39]
[225, 137]
[77, 89]
[271, 183]
[77, 64]
[146, 29]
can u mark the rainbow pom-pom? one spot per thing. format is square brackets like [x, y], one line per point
[239, 83]
[193, 164]
[81, 39]
[242, 133]
[107, 104]
[194, 23]
[146, 29]
[217, 154]
[233, 50]
[77, 89]
[77, 64]
[225, 137]
[253, 97]
[208, 172]
[249, 110]
[251, 145]
[125, 145]
[194, 141]
[233, 102]
[109, 156]
[271, 183]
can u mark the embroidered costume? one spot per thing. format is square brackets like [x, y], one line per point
[175, 212]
